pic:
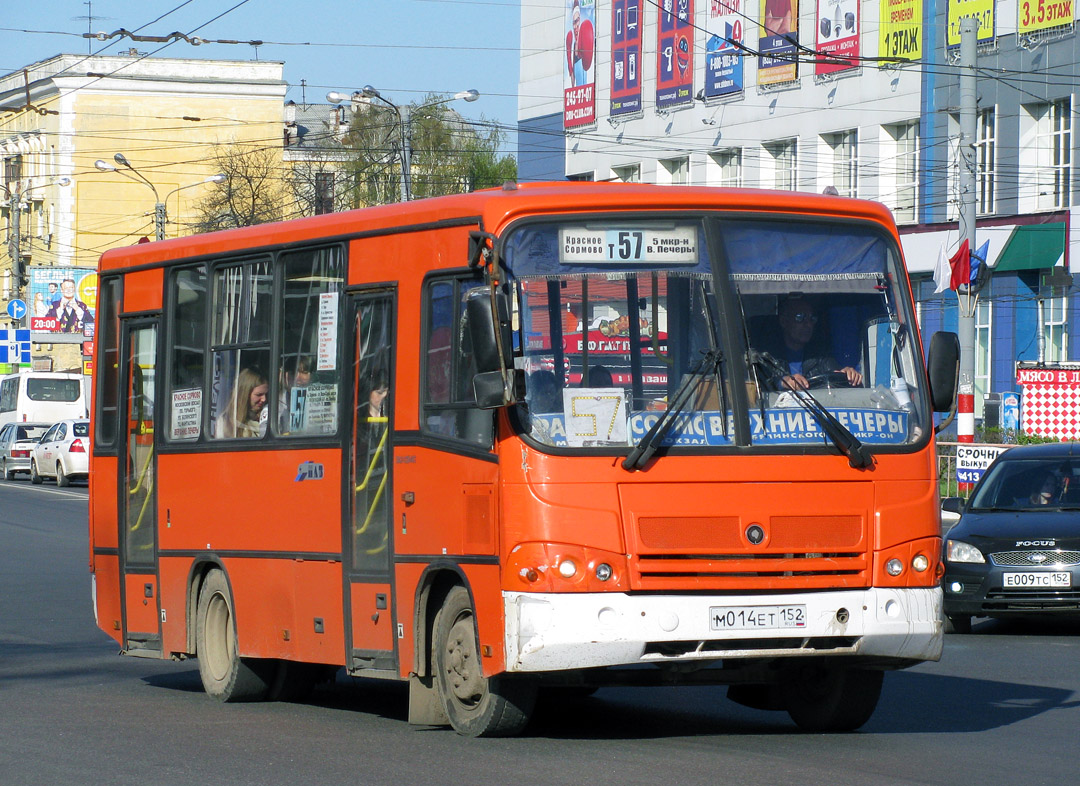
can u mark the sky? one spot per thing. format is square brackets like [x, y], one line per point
[406, 48]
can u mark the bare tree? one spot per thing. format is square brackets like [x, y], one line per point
[253, 191]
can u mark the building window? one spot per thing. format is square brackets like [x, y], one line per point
[12, 169]
[1053, 151]
[845, 162]
[905, 167]
[1055, 329]
[983, 344]
[582, 176]
[324, 193]
[627, 174]
[725, 169]
[785, 160]
[674, 172]
[985, 155]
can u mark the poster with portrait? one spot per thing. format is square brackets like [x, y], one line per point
[723, 56]
[675, 53]
[901, 29]
[579, 74]
[837, 35]
[980, 10]
[63, 300]
[777, 52]
[625, 57]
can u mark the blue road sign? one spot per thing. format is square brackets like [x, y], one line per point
[16, 309]
[14, 346]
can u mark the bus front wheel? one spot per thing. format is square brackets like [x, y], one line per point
[477, 706]
[831, 698]
[225, 675]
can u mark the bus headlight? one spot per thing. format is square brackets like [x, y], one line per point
[562, 567]
[920, 563]
[894, 567]
[567, 569]
[603, 571]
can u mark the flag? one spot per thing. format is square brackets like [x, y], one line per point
[942, 272]
[978, 259]
[960, 262]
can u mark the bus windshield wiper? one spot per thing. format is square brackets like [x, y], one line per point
[858, 455]
[687, 390]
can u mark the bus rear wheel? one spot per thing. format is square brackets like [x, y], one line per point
[477, 706]
[225, 675]
[831, 698]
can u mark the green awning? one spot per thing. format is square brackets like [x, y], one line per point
[1033, 247]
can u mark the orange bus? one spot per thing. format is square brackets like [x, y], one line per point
[540, 438]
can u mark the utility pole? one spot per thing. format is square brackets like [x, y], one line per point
[15, 242]
[966, 299]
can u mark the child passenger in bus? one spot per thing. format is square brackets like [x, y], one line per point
[296, 373]
[244, 414]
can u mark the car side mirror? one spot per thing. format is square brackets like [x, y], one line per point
[943, 370]
[953, 505]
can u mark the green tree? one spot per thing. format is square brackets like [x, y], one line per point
[450, 155]
[253, 191]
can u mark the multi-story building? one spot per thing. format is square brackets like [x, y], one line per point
[860, 98]
[60, 116]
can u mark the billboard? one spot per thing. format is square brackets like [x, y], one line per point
[625, 57]
[579, 78]
[63, 301]
[838, 32]
[901, 29]
[723, 54]
[675, 53]
[777, 43]
[981, 10]
[1036, 15]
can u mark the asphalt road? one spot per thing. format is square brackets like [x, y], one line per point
[1002, 707]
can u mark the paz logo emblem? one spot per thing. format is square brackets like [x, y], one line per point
[309, 470]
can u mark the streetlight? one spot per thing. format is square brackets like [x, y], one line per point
[160, 215]
[405, 117]
[15, 198]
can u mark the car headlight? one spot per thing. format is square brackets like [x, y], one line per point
[958, 551]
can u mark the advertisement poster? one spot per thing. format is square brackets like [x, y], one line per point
[1040, 14]
[901, 30]
[63, 300]
[675, 53]
[776, 46]
[1050, 399]
[837, 34]
[981, 10]
[723, 58]
[579, 78]
[625, 57]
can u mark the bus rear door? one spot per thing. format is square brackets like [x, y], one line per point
[368, 536]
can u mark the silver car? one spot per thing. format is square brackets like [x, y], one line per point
[17, 440]
[62, 453]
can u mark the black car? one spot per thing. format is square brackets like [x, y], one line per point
[1016, 549]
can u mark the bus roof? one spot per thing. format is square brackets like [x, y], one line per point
[493, 208]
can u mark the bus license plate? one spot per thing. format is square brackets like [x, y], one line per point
[1037, 579]
[756, 617]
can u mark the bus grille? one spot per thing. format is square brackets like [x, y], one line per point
[751, 571]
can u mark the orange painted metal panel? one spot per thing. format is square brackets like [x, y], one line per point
[142, 290]
[140, 590]
[104, 521]
[372, 627]
[107, 579]
[174, 573]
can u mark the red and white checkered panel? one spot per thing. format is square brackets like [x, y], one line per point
[1051, 410]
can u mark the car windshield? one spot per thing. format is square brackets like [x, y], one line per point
[31, 432]
[1029, 484]
[620, 320]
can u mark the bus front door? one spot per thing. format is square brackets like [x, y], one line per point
[369, 538]
[138, 494]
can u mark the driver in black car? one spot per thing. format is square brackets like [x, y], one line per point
[794, 349]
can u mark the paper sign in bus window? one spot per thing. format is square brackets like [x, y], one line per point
[594, 416]
[186, 413]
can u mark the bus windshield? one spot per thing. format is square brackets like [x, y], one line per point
[620, 320]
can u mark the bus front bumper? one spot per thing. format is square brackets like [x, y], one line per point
[555, 632]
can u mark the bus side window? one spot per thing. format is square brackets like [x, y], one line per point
[187, 359]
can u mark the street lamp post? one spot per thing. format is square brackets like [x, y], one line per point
[405, 118]
[14, 198]
[160, 214]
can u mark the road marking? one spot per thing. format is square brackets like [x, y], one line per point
[57, 492]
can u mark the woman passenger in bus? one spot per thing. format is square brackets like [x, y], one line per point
[244, 414]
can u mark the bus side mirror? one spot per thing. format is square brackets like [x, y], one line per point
[943, 370]
[495, 382]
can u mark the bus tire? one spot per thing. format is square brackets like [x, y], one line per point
[35, 478]
[225, 675]
[62, 479]
[477, 706]
[831, 698]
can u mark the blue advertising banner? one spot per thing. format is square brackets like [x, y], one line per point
[625, 57]
[675, 53]
[723, 57]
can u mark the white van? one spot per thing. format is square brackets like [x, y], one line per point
[42, 397]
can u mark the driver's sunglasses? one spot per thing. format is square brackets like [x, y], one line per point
[802, 316]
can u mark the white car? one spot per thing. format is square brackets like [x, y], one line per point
[62, 453]
[16, 442]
